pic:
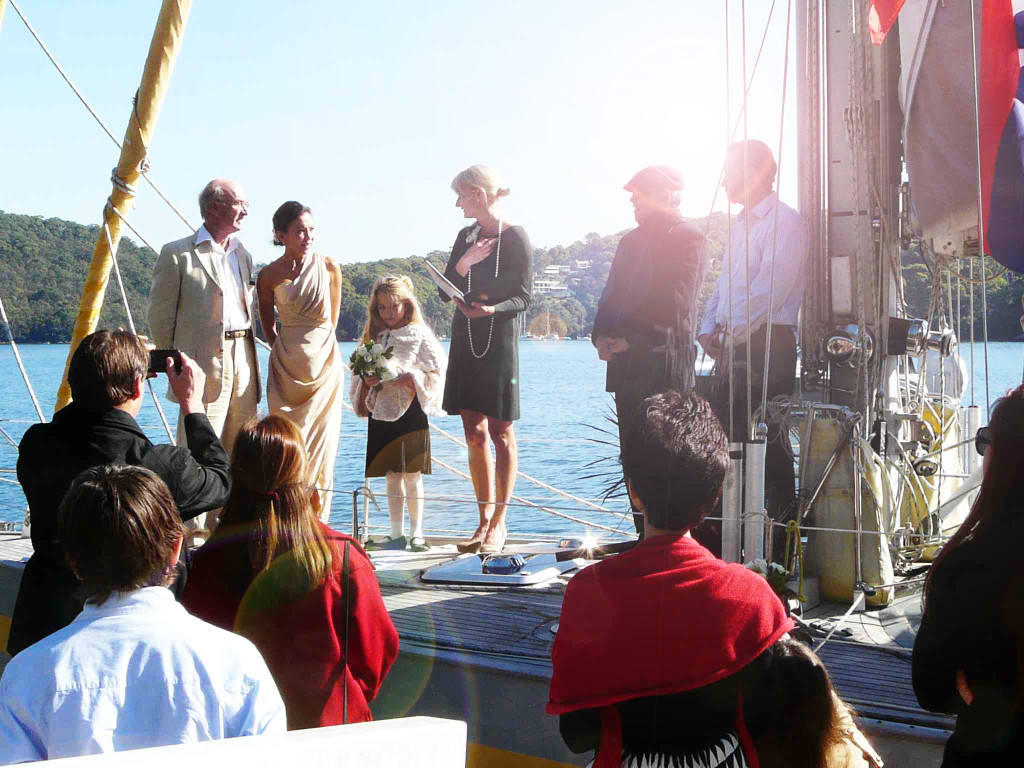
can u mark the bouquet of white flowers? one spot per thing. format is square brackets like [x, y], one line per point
[373, 359]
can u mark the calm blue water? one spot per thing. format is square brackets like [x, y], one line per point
[563, 401]
[563, 398]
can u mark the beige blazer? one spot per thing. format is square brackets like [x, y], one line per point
[186, 309]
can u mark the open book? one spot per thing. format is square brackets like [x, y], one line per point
[443, 282]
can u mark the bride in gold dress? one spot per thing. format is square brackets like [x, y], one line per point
[305, 379]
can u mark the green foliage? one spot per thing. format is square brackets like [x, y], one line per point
[1002, 300]
[572, 315]
[359, 279]
[43, 264]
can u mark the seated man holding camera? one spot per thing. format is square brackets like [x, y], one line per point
[134, 669]
[106, 375]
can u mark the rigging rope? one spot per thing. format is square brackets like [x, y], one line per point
[775, 224]
[534, 480]
[981, 209]
[855, 137]
[143, 169]
[730, 136]
[746, 224]
[793, 538]
[128, 312]
[21, 365]
[466, 500]
[529, 503]
[8, 437]
[528, 478]
[730, 343]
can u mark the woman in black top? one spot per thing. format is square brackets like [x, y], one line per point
[969, 653]
[491, 263]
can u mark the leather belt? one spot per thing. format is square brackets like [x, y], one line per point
[237, 334]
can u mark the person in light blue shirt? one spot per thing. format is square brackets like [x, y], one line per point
[768, 238]
[134, 669]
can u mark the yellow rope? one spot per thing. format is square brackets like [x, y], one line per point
[155, 79]
[793, 535]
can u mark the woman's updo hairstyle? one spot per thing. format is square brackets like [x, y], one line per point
[480, 177]
[285, 215]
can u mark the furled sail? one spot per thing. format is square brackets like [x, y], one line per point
[947, 130]
[156, 78]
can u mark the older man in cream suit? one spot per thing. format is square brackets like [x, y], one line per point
[200, 304]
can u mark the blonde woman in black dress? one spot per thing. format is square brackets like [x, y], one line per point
[491, 263]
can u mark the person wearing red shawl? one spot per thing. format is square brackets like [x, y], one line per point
[657, 645]
[304, 594]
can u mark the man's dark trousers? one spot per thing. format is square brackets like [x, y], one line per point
[779, 481]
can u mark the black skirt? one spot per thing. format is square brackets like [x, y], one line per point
[399, 446]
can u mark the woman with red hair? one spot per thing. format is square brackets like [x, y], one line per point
[304, 594]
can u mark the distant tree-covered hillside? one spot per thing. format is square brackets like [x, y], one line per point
[43, 263]
[1002, 300]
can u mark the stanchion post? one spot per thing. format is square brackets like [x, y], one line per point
[732, 506]
[366, 512]
[753, 501]
[973, 425]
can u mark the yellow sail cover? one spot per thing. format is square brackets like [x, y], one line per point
[156, 77]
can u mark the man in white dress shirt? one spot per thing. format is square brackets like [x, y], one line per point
[778, 241]
[134, 669]
[200, 304]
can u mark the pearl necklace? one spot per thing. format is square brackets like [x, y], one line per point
[469, 287]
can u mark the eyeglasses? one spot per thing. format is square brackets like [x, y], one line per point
[983, 440]
[243, 205]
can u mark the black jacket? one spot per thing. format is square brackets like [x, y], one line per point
[974, 621]
[654, 263]
[51, 455]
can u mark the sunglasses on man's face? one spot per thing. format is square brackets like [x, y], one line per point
[983, 440]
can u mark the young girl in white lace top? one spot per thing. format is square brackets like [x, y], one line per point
[398, 436]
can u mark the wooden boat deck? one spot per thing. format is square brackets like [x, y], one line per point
[509, 633]
[868, 657]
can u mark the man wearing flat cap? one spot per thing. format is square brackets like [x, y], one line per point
[652, 287]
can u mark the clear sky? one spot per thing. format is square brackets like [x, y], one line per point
[365, 111]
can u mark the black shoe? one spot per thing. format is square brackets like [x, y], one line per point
[396, 543]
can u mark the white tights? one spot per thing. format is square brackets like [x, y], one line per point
[405, 487]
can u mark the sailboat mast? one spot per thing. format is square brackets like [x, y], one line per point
[156, 77]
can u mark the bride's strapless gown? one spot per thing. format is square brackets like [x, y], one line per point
[306, 371]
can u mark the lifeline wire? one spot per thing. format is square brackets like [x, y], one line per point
[981, 209]
[775, 225]
[142, 171]
[131, 320]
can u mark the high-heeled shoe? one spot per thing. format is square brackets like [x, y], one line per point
[472, 546]
[495, 546]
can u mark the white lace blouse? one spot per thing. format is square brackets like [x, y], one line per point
[416, 351]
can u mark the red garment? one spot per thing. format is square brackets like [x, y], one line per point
[881, 16]
[687, 617]
[302, 641]
[1000, 70]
